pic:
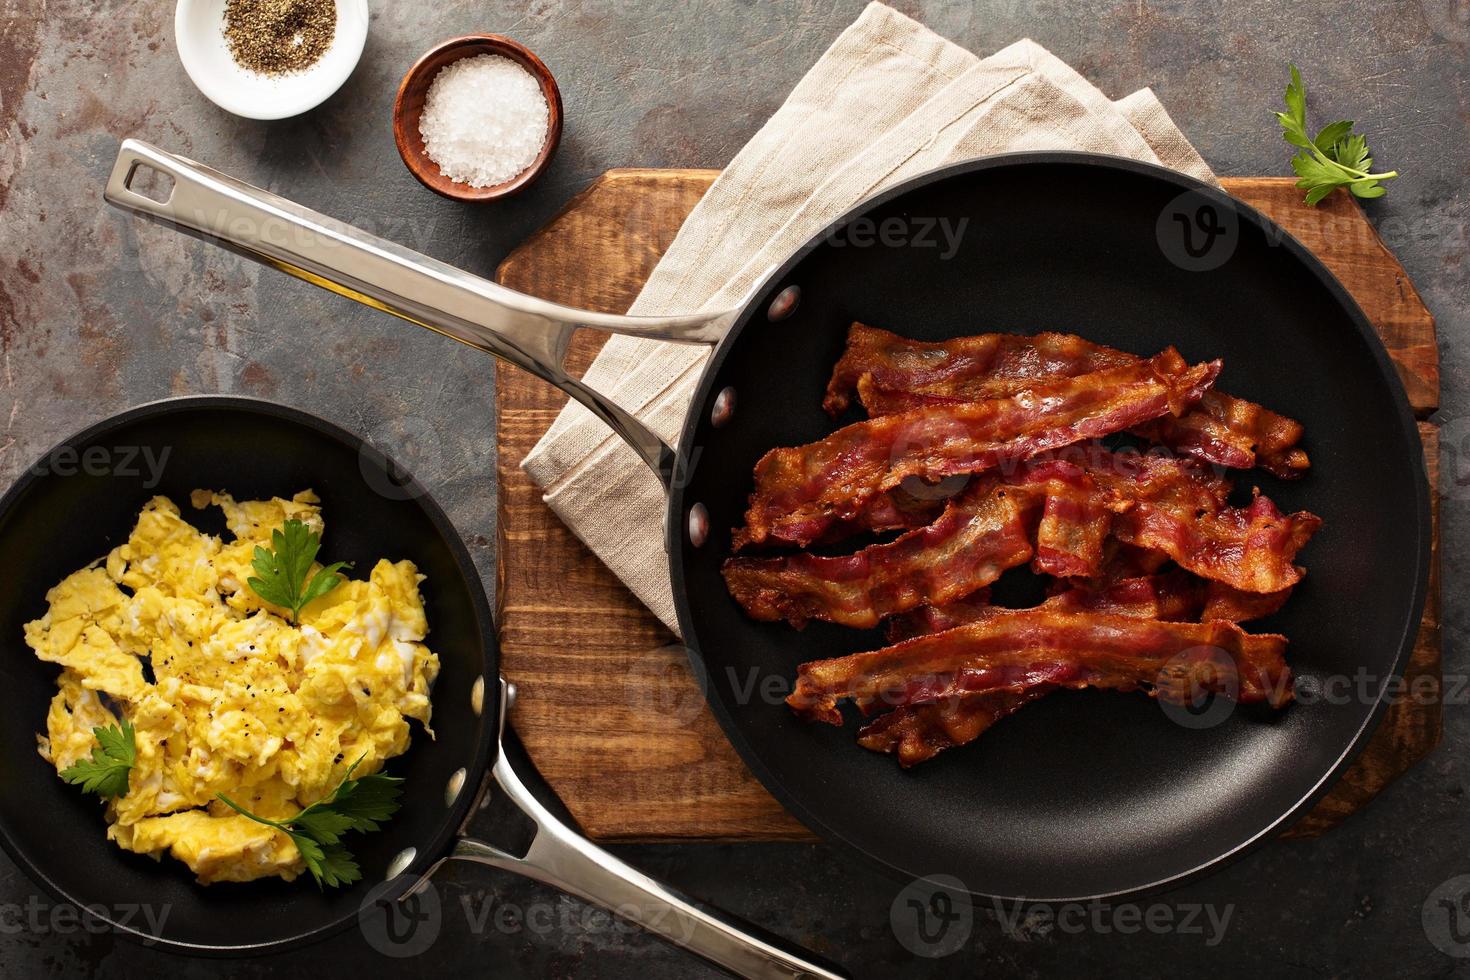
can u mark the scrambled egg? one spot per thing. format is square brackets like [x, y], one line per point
[225, 695]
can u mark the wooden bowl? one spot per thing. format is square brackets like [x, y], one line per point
[409, 106]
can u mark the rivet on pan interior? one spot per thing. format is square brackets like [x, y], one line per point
[698, 525]
[400, 862]
[456, 783]
[784, 304]
[477, 695]
[724, 409]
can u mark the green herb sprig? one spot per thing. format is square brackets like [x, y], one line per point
[106, 772]
[280, 574]
[1335, 157]
[356, 804]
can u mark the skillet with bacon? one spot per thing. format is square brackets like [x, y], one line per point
[983, 454]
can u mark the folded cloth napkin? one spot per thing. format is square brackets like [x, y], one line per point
[889, 100]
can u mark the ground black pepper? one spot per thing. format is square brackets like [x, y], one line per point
[276, 37]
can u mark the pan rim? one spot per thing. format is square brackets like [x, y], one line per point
[485, 746]
[674, 541]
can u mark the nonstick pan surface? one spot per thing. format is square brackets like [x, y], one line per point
[79, 501]
[1083, 794]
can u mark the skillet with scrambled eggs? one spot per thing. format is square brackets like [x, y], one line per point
[224, 693]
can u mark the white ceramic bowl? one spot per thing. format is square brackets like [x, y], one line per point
[200, 37]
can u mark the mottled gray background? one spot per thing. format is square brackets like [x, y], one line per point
[97, 314]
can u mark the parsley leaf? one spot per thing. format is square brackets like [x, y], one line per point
[106, 773]
[355, 804]
[336, 867]
[1335, 157]
[280, 573]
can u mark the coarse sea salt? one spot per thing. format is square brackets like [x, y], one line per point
[484, 120]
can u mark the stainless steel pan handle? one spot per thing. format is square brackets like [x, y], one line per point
[560, 857]
[526, 331]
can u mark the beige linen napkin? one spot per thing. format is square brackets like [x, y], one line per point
[889, 100]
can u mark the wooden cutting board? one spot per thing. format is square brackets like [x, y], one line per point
[607, 707]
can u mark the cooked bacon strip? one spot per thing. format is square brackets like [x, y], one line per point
[1235, 606]
[893, 374]
[1120, 561]
[1179, 509]
[917, 733]
[1163, 481]
[982, 532]
[1168, 505]
[1018, 651]
[1173, 596]
[1075, 520]
[1126, 474]
[937, 619]
[904, 508]
[803, 492]
[1247, 548]
[1233, 432]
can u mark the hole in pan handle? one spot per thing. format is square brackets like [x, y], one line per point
[529, 332]
[560, 857]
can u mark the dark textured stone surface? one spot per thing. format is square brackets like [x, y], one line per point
[97, 313]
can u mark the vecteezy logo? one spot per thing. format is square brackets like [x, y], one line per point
[933, 916]
[1198, 687]
[400, 927]
[1446, 917]
[410, 439]
[668, 682]
[1197, 233]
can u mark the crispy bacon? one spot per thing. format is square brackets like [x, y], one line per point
[1075, 520]
[1178, 509]
[893, 374]
[917, 733]
[1235, 606]
[1233, 432]
[1165, 506]
[981, 533]
[1120, 561]
[1018, 651]
[801, 493]
[1174, 596]
[984, 452]
[1247, 548]
[890, 373]
[1145, 597]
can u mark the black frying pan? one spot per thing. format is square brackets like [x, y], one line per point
[81, 499]
[1081, 796]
